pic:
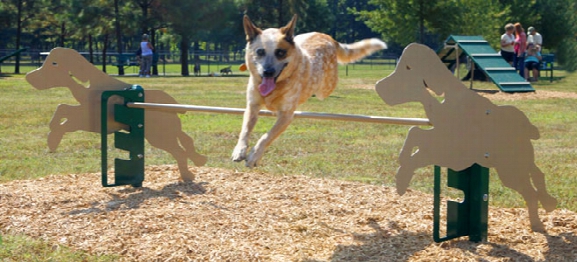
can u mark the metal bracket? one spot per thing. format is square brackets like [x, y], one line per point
[126, 171]
[467, 218]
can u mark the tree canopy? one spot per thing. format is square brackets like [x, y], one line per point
[217, 24]
[431, 21]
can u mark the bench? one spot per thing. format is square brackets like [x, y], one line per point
[547, 64]
[125, 60]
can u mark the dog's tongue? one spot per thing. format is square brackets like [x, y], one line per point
[267, 86]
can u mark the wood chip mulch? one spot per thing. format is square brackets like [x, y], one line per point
[241, 216]
[538, 94]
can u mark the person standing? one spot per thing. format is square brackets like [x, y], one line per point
[520, 47]
[146, 60]
[534, 37]
[507, 44]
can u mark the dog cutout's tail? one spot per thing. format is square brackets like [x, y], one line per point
[348, 53]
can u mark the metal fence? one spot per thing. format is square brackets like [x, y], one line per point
[208, 60]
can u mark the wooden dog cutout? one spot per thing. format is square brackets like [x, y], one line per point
[468, 129]
[67, 68]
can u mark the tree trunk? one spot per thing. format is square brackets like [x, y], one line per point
[18, 33]
[335, 24]
[225, 51]
[118, 38]
[144, 9]
[196, 52]
[62, 33]
[155, 55]
[280, 21]
[90, 49]
[104, 47]
[97, 47]
[421, 22]
[184, 43]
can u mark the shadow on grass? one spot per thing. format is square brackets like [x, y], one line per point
[562, 247]
[6, 75]
[497, 250]
[132, 198]
[486, 91]
[381, 245]
[547, 80]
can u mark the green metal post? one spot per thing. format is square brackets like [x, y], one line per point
[467, 218]
[126, 171]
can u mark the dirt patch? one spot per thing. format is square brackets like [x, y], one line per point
[361, 86]
[235, 216]
[502, 96]
[539, 94]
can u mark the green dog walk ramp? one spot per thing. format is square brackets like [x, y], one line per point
[486, 59]
[15, 53]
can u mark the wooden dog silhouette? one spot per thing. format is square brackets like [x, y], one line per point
[67, 68]
[467, 129]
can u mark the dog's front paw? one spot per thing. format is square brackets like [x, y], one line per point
[239, 153]
[253, 159]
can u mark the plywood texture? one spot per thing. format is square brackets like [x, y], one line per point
[467, 129]
[67, 68]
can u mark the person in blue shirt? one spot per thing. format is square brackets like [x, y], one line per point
[532, 61]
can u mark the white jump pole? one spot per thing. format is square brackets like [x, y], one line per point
[298, 114]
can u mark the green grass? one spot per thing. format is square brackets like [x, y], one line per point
[341, 150]
[22, 248]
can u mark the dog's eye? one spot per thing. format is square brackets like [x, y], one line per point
[280, 53]
[408, 68]
[260, 52]
[54, 64]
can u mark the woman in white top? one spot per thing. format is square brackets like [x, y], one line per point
[507, 44]
[146, 60]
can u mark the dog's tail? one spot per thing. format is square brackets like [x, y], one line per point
[347, 53]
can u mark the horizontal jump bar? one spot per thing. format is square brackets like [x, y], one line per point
[298, 114]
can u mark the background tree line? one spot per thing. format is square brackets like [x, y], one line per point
[192, 25]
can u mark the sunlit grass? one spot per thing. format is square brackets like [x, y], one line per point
[22, 248]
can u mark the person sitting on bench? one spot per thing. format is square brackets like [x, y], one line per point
[532, 61]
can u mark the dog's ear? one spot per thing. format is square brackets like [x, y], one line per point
[428, 66]
[289, 30]
[250, 29]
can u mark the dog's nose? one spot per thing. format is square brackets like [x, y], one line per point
[269, 72]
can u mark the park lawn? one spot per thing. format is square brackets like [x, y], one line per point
[22, 248]
[340, 150]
